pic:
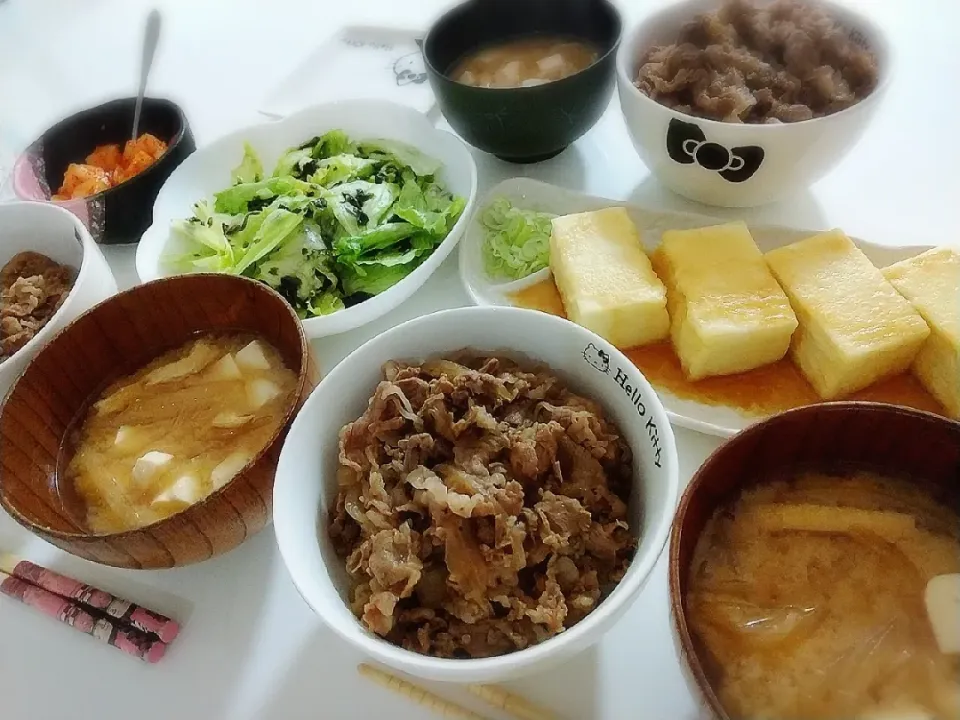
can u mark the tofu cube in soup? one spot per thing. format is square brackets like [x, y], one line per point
[177, 430]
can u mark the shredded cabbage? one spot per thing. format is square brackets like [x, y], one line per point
[516, 242]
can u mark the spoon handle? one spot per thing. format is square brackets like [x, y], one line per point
[150, 37]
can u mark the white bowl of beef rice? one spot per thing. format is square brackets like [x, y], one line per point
[476, 493]
[51, 271]
[739, 103]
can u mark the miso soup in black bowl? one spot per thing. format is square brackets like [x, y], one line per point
[522, 79]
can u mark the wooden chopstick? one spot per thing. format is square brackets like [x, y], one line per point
[512, 704]
[440, 706]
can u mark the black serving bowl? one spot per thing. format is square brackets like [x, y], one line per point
[121, 213]
[524, 124]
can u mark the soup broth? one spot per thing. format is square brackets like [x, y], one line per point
[524, 62]
[808, 596]
[177, 430]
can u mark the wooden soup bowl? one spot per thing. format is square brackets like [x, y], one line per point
[886, 439]
[114, 339]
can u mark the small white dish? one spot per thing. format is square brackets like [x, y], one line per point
[208, 171]
[737, 164]
[357, 62]
[532, 194]
[57, 233]
[306, 482]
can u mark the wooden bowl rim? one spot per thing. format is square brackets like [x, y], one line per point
[289, 413]
[687, 651]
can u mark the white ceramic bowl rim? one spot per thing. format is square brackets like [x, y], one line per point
[628, 55]
[289, 538]
[82, 238]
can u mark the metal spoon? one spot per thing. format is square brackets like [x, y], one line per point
[150, 37]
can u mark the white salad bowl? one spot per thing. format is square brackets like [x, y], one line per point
[686, 153]
[207, 171]
[306, 482]
[52, 231]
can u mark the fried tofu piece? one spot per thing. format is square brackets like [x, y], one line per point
[605, 278]
[855, 328]
[727, 312]
[931, 282]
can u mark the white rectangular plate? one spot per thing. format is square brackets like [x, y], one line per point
[357, 62]
[530, 194]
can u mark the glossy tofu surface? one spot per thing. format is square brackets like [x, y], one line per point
[605, 278]
[854, 327]
[727, 312]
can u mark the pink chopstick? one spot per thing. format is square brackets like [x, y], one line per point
[130, 640]
[102, 602]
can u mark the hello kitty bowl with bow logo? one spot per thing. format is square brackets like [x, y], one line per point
[307, 477]
[739, 164]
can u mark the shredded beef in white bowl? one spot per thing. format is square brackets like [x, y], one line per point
[482, 506]
[738, 103]
[752, 62]
[476, 493]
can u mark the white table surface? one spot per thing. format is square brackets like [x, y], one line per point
[251, 648]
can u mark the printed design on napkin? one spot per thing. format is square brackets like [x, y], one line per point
[409, 69]
[687, 144]
[358, 62]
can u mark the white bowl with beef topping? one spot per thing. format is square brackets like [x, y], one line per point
[476, 493]
[739, 103]
[51, 271]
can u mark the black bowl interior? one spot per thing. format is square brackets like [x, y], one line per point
[72, 139]
[480, 23]
[119, 214]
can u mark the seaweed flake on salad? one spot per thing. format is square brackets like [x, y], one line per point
[336, 222]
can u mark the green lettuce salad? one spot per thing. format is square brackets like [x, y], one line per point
[336, 222]
[516, 242]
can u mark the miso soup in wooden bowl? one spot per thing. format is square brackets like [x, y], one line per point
[815, 568]
[146, 434]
